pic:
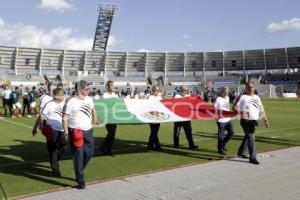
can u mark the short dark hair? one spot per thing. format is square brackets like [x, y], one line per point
[80, 85]
[108, 83]
[249, 82]
[58, 92]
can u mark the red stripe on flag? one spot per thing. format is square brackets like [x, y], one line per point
[195, 108]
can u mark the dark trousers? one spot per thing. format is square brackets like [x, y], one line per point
[108, 141]
[56, 148]
[153, 138]
[249, 138]
[82, 155]
[222, 138]
[187, 126]
[7, 106]
[25, 105]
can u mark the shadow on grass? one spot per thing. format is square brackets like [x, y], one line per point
[30, 154]
[27, 166]
[260, 139]
[130, 146]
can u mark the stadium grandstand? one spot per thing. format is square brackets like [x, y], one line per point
[274, 70]
[269, 67]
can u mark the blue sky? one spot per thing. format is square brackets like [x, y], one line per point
[154, 25]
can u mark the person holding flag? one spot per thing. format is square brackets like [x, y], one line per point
[187, 125]
[224, 124]
[153, 142]
[106, 146]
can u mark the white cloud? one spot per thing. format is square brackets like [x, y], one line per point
[112, 41]
[285, 25]
[55, 5]
[185, 37]
[31, 36]
[144, 50]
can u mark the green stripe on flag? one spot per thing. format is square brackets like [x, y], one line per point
[114, 111]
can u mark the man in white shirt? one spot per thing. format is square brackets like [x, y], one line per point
[51, 124]
[44, 99]
[251, 109]
[79, 114]
[7, 100]
[106, 146]
[224, 124]
[153, 142]
[187, 125]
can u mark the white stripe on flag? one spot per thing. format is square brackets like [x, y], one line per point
[151, 111]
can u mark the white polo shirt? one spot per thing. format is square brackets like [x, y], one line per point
[154, 98]
[80, 112]
[45, 98]
[250, 106]
[108, 95]
[223, 104]
[54, 112]
[6, 94]
[177, 96]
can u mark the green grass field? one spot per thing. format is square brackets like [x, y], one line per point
[24, 166]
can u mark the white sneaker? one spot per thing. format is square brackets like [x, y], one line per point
[29, 116]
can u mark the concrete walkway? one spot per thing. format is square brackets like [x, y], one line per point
[277, 177]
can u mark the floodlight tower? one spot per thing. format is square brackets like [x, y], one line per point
[105, 17]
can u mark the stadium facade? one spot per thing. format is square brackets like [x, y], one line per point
[37, 61]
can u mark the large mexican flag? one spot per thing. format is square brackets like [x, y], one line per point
[137, 111]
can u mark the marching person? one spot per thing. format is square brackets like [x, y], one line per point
[52, 128]
[79, 114]
[106, 146]
[224, 124]
[44, 99]
[153, 142]
[187, 125]
[251, 109]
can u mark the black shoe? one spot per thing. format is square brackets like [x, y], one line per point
[157, 148]
[194, 147]
[254, 162]
[150, 147]
[109, 154]
[102, 150]
[222, 152]
[243, 156]
[176, 145]
[56, 173]
[81, 186]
